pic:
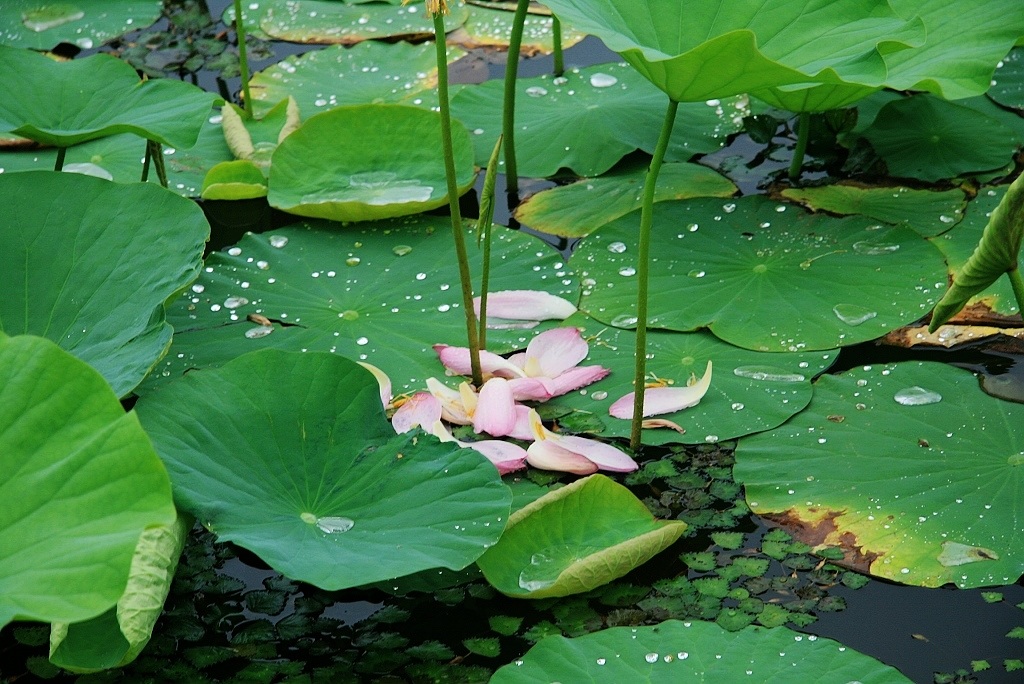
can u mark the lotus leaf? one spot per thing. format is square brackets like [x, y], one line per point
[761, 274]
[695, 651]
[370, 72]
[117, 637]
[997, 253]
[965, 40]
[364, 162]
[118, 155]
[79, 480]
[382, 293]
[724, 47]
[84, 23]
[928, 212]
[234, 180]
[910, 468]
[750, 391]
[65, 103]
[89, 264]
[574, 539]
[599, 113]
[578, 209]
[1008, 83]
[930, 139]
[290, 456]
[486, 27]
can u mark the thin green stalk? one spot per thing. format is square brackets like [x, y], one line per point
[1018, 288]
[803, 132]
[145, 163]
[61, 153]
[643, 257]
[509, 111]
[556, 30]
[243, 58]
[156, 152]
[484, 226]
[453, 198]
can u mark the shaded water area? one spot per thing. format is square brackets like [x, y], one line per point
[230, 618]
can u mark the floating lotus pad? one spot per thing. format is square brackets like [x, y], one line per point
[910, 468]
[575, 539]
[718, 48]
[116, 638]
[79, 480]
[84, 23]
[367, 162]
[486, 27]
[370, 72]
[957, 245]
[1008, 82]
[930, 139]
[762, 275]
[65, 103]
[323, 490]
[599, 113]
[578, 209]
[90, 263]
[750, 391]
[965, 39]
[675, 651]
[928, 212]
[384, 293]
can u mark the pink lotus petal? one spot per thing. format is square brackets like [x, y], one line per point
[452, 408]
[604, 456]
[420, 410]
[525, 305]
[574, 378]
[553, 352]
[547, 455]
[383, 381]
[509, 324]
[658, 400]
[522, 429]
[456, 359]
[506, 456]
[495, 411]
[530, 389]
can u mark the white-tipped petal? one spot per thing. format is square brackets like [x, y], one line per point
[553, 352]
[659, 400]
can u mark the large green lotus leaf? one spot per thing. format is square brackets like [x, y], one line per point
[750, 391]
[1008, 82]
[382, 293]
[187, 168]
[319, 21]
[928, 212]
[290, 456]
[578, 209]
[762, 275]
[724, 47]
[698, 651]
[370, 72]
[65, 103]
[965, 40]
[574, 539]
[930, 139]
[117, 637]
[982, 290]
[910, 468]
[85, 23]
[89, 264]
[487, 27]
[364, 162]
[79, 480]
[590, 118]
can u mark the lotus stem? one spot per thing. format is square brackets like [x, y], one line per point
[556, 40]
[453, 198]
[803, 132]
[642, 273]
[62, 152]
[1018, 288]
[243, 58]
[155, 152]
[509, 112]
[484, 226]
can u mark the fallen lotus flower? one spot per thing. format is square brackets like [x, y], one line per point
[548, 368]
[658, 400]
[494, 411]
[572, 454]
[523, 309]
